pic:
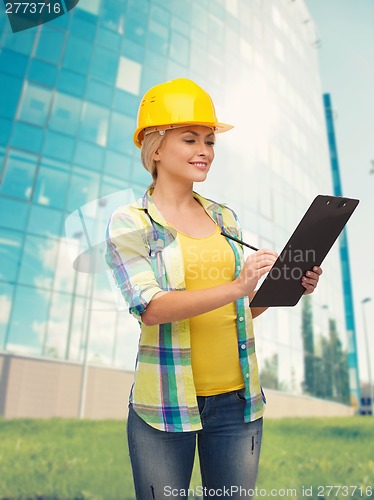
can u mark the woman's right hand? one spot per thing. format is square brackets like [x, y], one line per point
[256, 265]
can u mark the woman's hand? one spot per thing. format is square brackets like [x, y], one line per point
[254, 267]
[310, 279]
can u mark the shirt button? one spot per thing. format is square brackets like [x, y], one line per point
[152, 254]
[238, 268]
[247, 375]
[241, 318]
[136, 287]
[242, 346]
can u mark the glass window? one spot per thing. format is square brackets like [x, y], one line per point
[22, 42]
[50, 45]
[51, 184]
[10, 91]
[94, 123]
[128, 76]
[38, 262]
[126, 103]
[27, 136]
[35, 105]
[111, 185]
[89, 155]
[120, 133]
[77, 54]
[10, 251]
[140, 175]
[71, 83]
[118, 165]
[113, 15]
[91, 6]
[13, 63]
[136, 27]
[160, 15]
[178, 25]
[19, 175]
[179, 48]
[132, 50]
[45, 221]
[5, 126]
[6, 298]
[108, 39]
[83, 25]
[14, 213]
[58, 326]
[42, 72]
[65, 114]
[84, 186]
[142, 6]
[154, 61]
[150, 78]
[158, 37]
[199, 18]
[58, 146]
[104, 65]
[29, 319]
[99, 92]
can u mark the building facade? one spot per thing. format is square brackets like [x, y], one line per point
[69, 96]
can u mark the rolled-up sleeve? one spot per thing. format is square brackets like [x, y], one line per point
[127, 255]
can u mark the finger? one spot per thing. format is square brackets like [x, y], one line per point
[312, 275]
[317, 270]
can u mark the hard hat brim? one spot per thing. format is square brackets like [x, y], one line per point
[218, 129]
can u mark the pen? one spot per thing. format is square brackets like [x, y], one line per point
[239, 241]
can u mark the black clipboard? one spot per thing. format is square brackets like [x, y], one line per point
[308, 246]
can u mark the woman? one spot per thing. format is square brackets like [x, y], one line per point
[188, 285]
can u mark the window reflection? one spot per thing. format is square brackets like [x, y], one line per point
[128, 76]
[50, 45]
[94, 123]
[10, 249]
[84, 187]
[52, 183]
[77, 54]
[38, 262]
[45, 221]
[19, 175]
[6, 298]
[29, 320]
[104, 65]
[118, 139]
[27, 136]
[9, 95]
[179, 48]
[35, 104]
[13, 213]
[65, 114]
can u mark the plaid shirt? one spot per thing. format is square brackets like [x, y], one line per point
[145, 258]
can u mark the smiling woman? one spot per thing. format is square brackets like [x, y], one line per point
[196, 374]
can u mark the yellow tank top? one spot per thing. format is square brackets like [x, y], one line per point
[210, 262]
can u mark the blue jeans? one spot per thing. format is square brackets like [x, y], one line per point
[229, 451]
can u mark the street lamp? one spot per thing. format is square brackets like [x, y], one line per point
[371, 391]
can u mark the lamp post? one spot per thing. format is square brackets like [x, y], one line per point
[371, 391]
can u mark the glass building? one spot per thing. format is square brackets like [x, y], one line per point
[69, 96]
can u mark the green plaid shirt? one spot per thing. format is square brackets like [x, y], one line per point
[145, 257]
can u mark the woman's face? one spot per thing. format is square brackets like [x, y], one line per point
[186, 153]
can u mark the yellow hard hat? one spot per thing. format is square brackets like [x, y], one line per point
[176, 103]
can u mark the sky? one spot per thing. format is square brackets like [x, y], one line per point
[346, 55]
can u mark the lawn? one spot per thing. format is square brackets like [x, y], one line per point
[72, 459]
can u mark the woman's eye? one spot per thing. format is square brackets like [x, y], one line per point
[189, 141]
[210, 143]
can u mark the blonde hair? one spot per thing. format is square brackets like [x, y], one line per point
[150, 145]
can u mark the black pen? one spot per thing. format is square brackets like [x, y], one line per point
[239, 241]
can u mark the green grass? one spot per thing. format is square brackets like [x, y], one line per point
[71, 459]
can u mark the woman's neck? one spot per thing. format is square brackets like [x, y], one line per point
[177, 196]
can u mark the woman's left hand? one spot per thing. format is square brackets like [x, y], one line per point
[310, 280]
